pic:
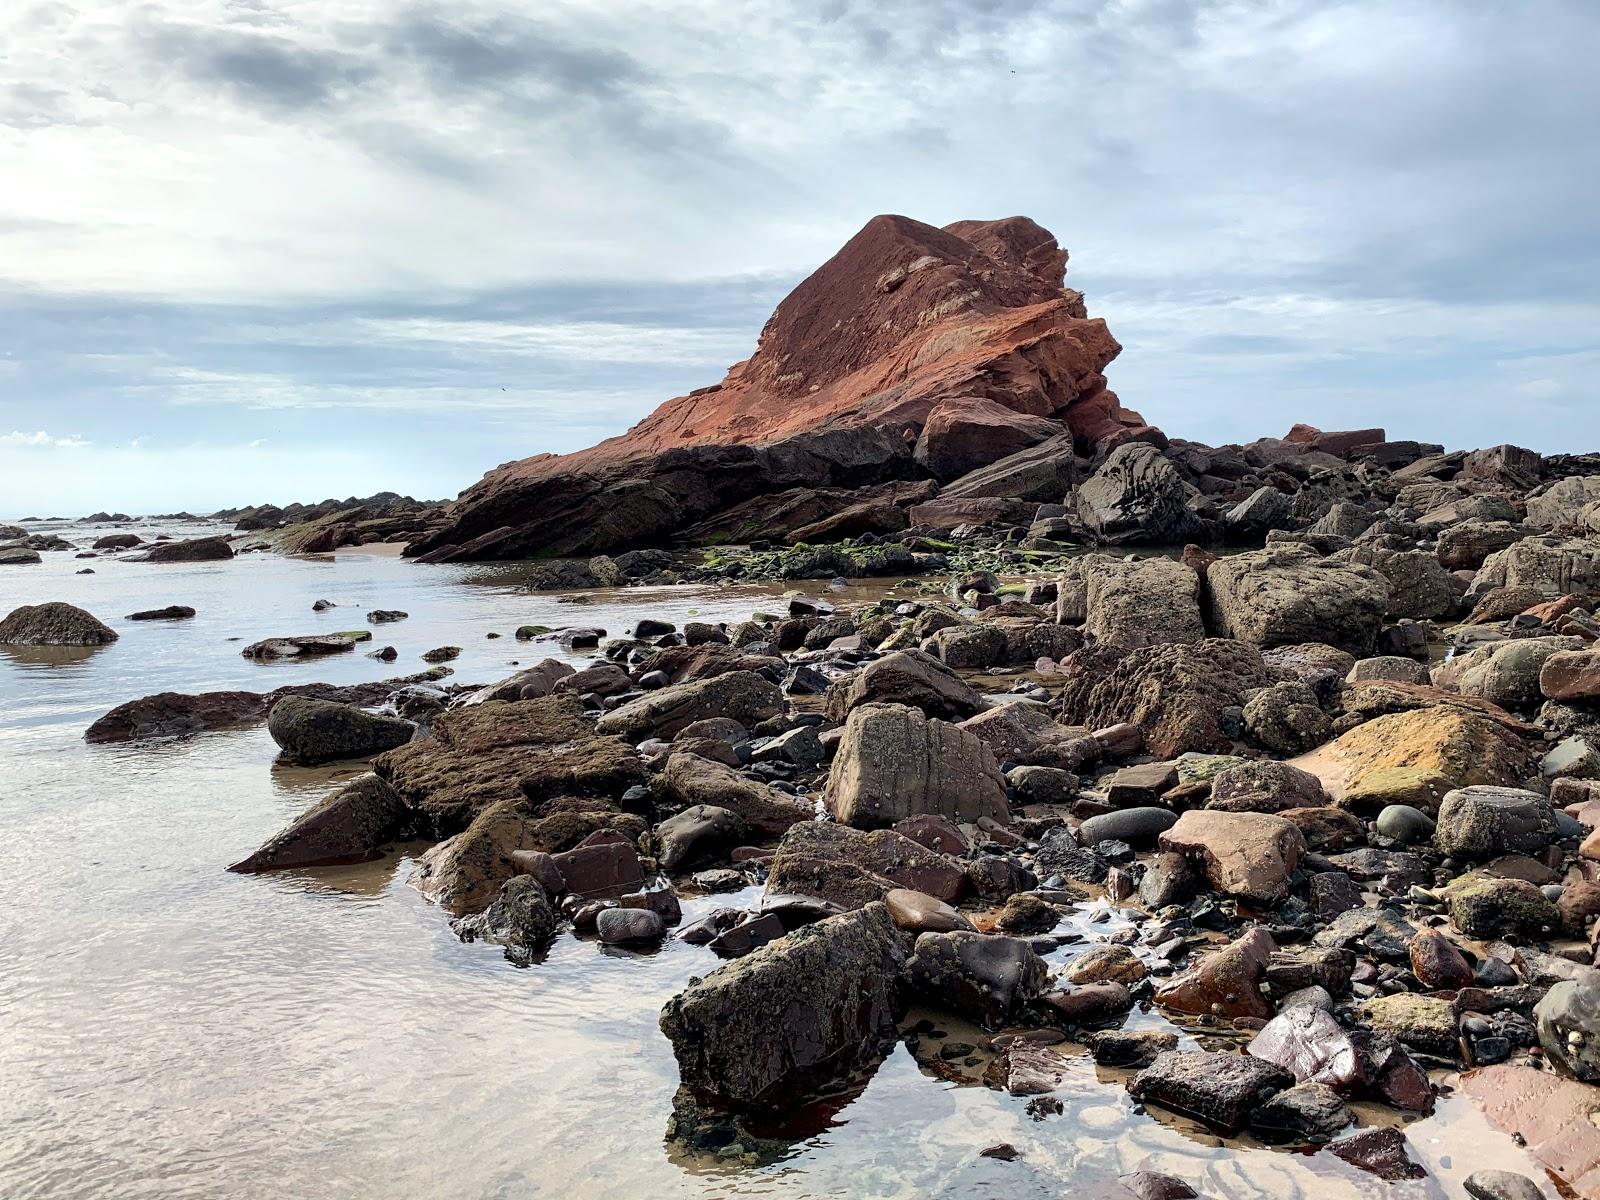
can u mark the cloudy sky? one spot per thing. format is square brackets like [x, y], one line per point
[284, 249]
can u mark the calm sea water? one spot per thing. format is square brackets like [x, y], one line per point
[170, 1030]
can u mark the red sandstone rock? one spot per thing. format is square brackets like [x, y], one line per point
[904, 319]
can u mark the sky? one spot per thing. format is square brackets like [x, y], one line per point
[279, 250]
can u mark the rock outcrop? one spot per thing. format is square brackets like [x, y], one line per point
[913, 351]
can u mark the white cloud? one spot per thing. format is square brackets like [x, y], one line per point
[17, 438]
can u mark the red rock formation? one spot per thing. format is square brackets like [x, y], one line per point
[904, 319]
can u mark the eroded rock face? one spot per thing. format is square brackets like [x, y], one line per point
[766, 1030]
[1286, 594]
[904, 319]
[1440, 742]
[54, 624]
[1136, 496]
[893, 762]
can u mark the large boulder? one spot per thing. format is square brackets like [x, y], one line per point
[483, 754]
[740, 695]
[174, 714]
[312, 731]
[1419, 585]
[1456, 744]
[1136, 496]
[1249, 855]
[768, 1029]
[204, 549]
[1141, 603]
[1506, 673]
[1174, 692]
[1562, 502]
[1027, 735]
[893, 762]
[1286, 594]
[1482, 822]
[1544, 566]
[352, 824]
[54, 624]
[904, 677]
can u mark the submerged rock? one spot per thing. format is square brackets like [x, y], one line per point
[520, 918]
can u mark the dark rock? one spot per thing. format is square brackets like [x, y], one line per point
[987, 978]
[318, 731]
[350, 825]
[173, 612]
[54, 624]
[1221, 1090]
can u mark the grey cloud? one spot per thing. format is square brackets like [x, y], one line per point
[276, 72]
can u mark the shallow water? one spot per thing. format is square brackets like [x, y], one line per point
[170, 1030]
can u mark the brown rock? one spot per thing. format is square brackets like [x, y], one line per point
[1249, 855]
[1437, 964]
[1462, 746]
[1224, 984]
[893, 763]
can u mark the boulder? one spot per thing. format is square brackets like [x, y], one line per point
[1481, 822]
[1307, 1112]
[1249, 855]
[1486, 908]
[1425, 1023]
[204, 549]
[1419, 585]
[1264, 785]
[621, 926]
[893, 762]
[967, 432]
[905, 677]
[846, 867]
[1568, 1020]
[1286, 594]
[1141, 603]
[1311, 1045]
[1286, 718]
[1175, 693]
[1226, 983]
[175, 714]
[1507, 674]
[917, 912]
[1455, 744]
[1219, 1090]
[688, 780]
[1044, 473]
[1562, 502]
[318, 731]
[982, 976]
[1028, 735]
[1136, 496]
[1545, 567]
[527, 684]
[766, 1030]
[520, 918]
[352, 824]
[697, 833]
[54, 624]
[172, 612]
[741, 695]
[1571, 675]
[517, 751]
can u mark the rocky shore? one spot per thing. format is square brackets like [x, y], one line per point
[1267, 776]
[1325, 806]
